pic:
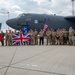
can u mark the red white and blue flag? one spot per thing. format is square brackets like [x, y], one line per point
[20, 38]
[45, 25]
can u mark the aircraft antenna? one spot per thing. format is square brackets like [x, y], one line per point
[72, 7]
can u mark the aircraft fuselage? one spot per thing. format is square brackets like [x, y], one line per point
[36, 21]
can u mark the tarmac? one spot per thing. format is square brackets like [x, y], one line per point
[37, 60]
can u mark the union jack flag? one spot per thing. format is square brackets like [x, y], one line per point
[20, 38]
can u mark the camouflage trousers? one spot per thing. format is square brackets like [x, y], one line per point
[70, 40]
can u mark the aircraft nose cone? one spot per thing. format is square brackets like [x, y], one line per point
[8, 22]
[11, 22]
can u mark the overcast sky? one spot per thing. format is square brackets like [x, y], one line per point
[16, 7]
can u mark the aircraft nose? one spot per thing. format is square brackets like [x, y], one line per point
[11, 22]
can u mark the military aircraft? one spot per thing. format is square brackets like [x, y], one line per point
[36, 21]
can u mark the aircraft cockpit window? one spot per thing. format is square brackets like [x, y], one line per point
[21, 15]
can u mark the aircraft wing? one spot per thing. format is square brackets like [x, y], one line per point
[70, 18]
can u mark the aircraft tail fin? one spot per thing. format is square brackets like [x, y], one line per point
[70, 18]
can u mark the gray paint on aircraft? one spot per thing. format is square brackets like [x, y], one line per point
[53, 21]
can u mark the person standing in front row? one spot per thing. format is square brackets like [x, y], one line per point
[35, 37]
[48, 36]
[6, 38]
[41, 37]
[71, 34]
[2, 38]
[10, 38]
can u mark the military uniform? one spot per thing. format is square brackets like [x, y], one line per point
[57, 37]
[48, 37]
[65, 37]
[53, 37]
[31, 37]
[61, 37]
[6, 38]
[71, 34]
[41, 37]
[73, 38]
[36, 37]
[10, 38]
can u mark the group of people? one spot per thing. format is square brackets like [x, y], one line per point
[53, 37]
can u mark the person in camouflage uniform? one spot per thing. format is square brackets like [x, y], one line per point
[41, 37]
[61, 37]
[10, 38]
[31, 37]
[53, 37]
[71, 34]
[65, 36]
[57, 36]
[35, 37]
[6, 37]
